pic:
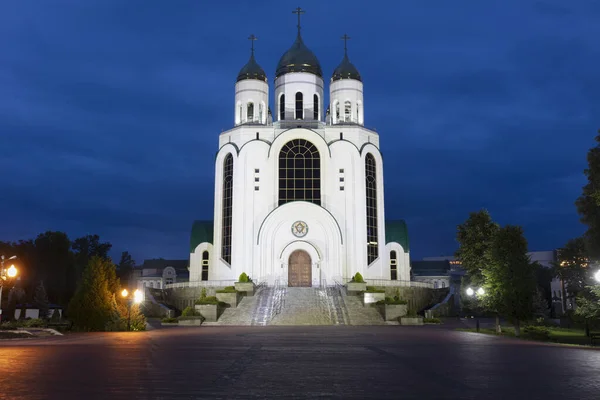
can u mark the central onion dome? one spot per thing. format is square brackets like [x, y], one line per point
[252, 70]
[298, 58]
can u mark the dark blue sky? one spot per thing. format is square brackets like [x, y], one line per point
[110, 110]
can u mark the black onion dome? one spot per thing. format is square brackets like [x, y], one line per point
[346, 70]
[252, 71]
[298, 58]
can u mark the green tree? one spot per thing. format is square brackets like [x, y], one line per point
[50, 263]
[84, 249]
[572, 268]
[474, 238]
[92, 307]
[510, 277]
[40, 300]
[125, 267]
[589, 306]
[588, 204]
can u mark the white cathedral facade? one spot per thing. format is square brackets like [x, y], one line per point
[299, 194]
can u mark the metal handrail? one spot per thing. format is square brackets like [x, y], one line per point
[387, 282]
[226, 282]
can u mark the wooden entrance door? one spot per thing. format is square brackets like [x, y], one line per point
[299, 269]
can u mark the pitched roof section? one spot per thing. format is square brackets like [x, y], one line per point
[396, 231]
[430, 268]
[202, 232]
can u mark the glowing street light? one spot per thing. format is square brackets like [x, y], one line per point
[4, 275]
[480, 291]
[137, 298]
[11, 272]
[124, 293]
[597, 276]
[470, 292]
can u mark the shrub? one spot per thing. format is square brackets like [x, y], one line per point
[411, 314]
[373, 289]
[358, 278]
[207, 300]
[9, 326]
[536, 332]
[395, 300]
[35, 323]
[190, 312]
[432, 320]
[244, 278]
[55, 316]
[228, 289]
[203, 293]
[169, 320]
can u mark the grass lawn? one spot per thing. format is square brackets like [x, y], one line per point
[558, 335]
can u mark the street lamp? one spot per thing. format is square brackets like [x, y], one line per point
[476, 294]
[135, 299]
[597, 276]
[4, 275]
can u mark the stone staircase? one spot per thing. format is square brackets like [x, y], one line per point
[279, 305]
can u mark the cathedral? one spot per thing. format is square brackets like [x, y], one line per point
[299, 194]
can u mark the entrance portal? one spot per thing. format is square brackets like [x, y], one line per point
[299, 269]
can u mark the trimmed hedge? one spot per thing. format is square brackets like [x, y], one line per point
[358, 278]
[207, 300]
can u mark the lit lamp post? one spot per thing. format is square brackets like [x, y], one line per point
[135, 299]
[475, 294]
[597, 276]
[5, 273]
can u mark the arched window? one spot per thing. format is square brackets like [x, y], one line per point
[371, 197]
[299, 106]
[260, 113]
[347, 111]
[282, 107]
[393, 266]
[205, 265]
[250, 110]
[337, 112]
[299, 172]
[358, 113]
[435, 284]
[152, 284]
[316, 107]
[239, 119]
[227, 208]
[443, 284]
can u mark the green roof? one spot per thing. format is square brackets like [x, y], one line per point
[202, 232]
[396, 231]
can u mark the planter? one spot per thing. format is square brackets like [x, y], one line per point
[246, 287]
[230, 298]
[210, 312]
[411, 321]
[371, 298]
[354, 287]
[190, 321]
[391, 312]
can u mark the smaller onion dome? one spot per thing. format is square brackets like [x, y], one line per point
[252, 71]
[346, 70]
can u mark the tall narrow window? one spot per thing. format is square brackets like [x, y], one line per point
[227, 208]
[205, 265]
[299, 106]
[316, 107]
[337, 113]
[371, 197]
[250, 110]
[358, 113]
[393, 266]
[299, 172]
[260, 113]
[282, 107]
[347, 111]
[240, 114]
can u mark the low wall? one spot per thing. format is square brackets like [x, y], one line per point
[418, 298]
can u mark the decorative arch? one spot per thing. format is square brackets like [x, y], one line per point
[299, 172]
[371, 202]
[227, 208]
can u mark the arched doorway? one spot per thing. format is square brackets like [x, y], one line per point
[299, 269]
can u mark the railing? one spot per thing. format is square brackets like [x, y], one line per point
[278, 296]
[300, 123]
[324, 299]
[387, 282]
[227, 282]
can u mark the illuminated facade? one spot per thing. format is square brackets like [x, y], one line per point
[299, 195]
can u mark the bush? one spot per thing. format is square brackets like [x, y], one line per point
[373, 289]
[9, 326]
[411, 314]
[536, 332]
[395, 300]
[190, 312]
[432, 320]
[228, 289]
[55, 316]
[35, 323]
[207, 300]
[169, 320]
[358, 278]
[244, 278]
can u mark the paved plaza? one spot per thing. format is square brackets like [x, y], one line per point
[347, 362]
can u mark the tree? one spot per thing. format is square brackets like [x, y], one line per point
[540, 306]
[40, 300]
[543, 277]
[572, 267]
[588, 204]
[92, 307]
[84, 249]
[589, 306]
[474, 238]
[509, 278]
[125, 267]
[51, 261]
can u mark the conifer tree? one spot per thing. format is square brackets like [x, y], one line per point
[40, 300]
